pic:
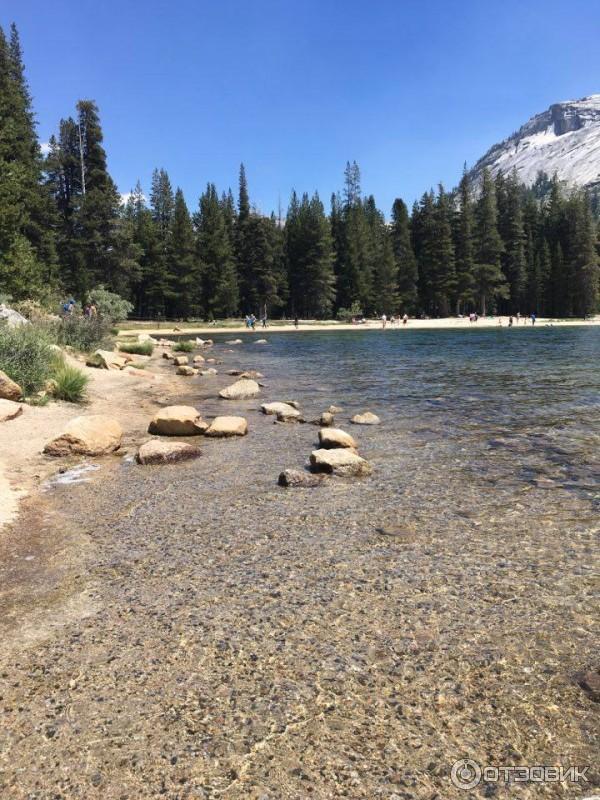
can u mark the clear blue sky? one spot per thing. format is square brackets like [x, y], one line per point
[295, 88]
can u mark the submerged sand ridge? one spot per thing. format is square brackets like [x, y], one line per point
[241, 640]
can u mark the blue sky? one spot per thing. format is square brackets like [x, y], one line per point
[409, 89]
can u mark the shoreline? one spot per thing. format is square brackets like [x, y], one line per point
[447, 323]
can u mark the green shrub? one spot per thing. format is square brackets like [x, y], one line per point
[70, 383]
[26, 356]
[82, 333]
[137, 348]
[110, 306]
[185, 346]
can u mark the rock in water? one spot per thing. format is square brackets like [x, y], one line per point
[292, 478]
[240, 390]
[335, 437]
[334, 410]
[94, 435]
[367, 418]
[180, 361]
[339, 461]
[227, 426]
[283, 411]
[161, 452]
[326, 419]
[9, 390]
[233, 341]
[9, 410]
[198, 359]
[177, 421]
[261, 341]
[185, 370]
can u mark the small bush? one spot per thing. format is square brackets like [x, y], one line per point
[137, 348]
[70, 383]
[110, 306]
[184, 346]
[82, 333]
[26, 356]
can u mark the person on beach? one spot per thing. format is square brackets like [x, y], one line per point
[296, 323]
[532, 318]
[510, 322]
[405, 319]
[263, 321]
[383, 321]
[518, 316]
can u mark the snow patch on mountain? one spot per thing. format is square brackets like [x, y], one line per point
[564, 139]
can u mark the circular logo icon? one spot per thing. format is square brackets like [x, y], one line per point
[465, 774]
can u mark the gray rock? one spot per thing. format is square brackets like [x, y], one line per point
[292, 478]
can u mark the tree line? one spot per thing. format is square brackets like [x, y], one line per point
[489, 245]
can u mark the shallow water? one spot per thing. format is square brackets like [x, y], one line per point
[195, 631]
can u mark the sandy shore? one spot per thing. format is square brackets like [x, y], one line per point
[370, 325]
[128, 398]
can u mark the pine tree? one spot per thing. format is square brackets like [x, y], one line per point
[142, 232]
[406, 262]
[27, 253]
[309, 258]
[220, 297]
[464, 245]
[183, 278]
[583, 256]
[510, 226]
[489, 280]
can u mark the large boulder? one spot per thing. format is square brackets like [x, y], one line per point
[335, 437]
[283, 411]
[9, 390]
[227, 426]
[92, 435]
[366, 419]
[106, 359]
[240, 390]
[156, 451]
[9, 410]
[292, 478]
[339, 461]
[177, 421]
[180, 361]
[13, 318]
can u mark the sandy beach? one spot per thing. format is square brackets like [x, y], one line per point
[448, 323]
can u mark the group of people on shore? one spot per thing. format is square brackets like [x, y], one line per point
[89, 310]
[251, 320]
[393, 320]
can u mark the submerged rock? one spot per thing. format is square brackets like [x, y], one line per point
[156, 451]
[339, 461]
[93, 435]
[234, 341]
[283, 411]
[292, 478]
[9, 410]
[336, 437]
[367, 418]
[227, 426]
[261, 341]
[334, 410]
[240, 390]
[9, 389]
[177, 421]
